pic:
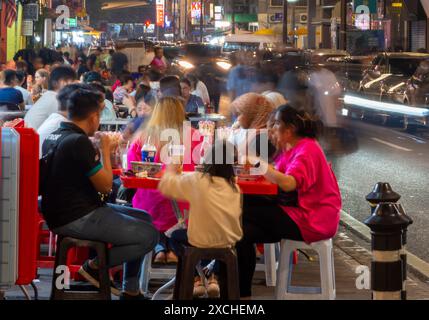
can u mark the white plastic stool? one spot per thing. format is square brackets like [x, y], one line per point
[285, 291]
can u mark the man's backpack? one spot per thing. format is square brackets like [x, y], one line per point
[45, 167]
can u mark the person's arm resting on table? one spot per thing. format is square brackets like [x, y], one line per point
[285, 182]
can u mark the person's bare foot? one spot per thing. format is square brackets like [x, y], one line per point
[171, 258]
[160, 258]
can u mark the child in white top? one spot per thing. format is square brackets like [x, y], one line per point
[215, 206]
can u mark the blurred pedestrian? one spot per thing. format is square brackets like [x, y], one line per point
[159, 62]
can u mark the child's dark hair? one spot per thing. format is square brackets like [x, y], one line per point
[125, 78]
[305, 125]
[219, 162]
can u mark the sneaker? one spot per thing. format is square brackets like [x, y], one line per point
[160, 258]
[199, 288]
[91, 275]
[172, 258]
[213, 289]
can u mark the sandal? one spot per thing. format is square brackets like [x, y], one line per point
[213, 289]
[200, 290]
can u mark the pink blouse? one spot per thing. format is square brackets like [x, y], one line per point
[319, 198]
[152, 201]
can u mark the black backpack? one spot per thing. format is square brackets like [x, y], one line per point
[45, 167]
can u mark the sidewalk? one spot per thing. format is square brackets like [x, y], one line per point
[349, 253]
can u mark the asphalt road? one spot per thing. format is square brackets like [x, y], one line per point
[387, 154]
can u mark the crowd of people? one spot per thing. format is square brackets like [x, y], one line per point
[68, 100]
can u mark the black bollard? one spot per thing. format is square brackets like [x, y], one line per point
[386, 224]
[383, 192]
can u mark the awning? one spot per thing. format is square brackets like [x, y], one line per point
[122, 4]
[242, 17]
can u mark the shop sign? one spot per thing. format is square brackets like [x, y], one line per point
[27, 28]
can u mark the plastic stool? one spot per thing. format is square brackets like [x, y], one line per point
[327, 290]
[270, 265]
[63, 245]
[228, 278]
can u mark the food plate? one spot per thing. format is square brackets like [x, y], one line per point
[243, 173]
[150, 168]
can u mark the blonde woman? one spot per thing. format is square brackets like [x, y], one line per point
[41, 80]
[168, 113]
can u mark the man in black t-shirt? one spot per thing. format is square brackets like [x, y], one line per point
[71, 203]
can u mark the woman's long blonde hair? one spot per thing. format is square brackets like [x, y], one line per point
[168, 113]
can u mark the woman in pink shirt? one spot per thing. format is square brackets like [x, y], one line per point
[159, 62]
[309, 201]
[168, 114]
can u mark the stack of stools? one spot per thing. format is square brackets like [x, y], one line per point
[326, 291]
[59, 290]
[228, 277]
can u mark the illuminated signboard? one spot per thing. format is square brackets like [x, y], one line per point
[72, 22]
[196, 10]
[160, 13]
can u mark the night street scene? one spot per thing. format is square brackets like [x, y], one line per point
[222, 154]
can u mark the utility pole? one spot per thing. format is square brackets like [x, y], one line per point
[201, 20]
[233, 18]
[285, 32]
[343, 27]
[174, 20]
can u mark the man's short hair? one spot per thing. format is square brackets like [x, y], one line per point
[65, 93]
[20, 75]
[98, 87]
[61, 73]
[92, 76]
[170, 86]
[82, 103]
[8, 77]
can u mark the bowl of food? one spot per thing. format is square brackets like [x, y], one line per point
[245, 172]
[149, 169]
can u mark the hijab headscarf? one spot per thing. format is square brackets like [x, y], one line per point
[255, 107]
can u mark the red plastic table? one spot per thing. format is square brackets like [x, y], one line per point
[256, 187]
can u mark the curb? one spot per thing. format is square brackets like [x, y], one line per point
[417, 265]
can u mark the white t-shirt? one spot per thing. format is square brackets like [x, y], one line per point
[215, 208]
[48, 126]
[202, 92]
[42, 109]
[28, 100]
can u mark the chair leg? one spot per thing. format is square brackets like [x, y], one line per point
[283, 271]
[270, 264]
[104, 278]
[60, 260]
[326, 272]
[179, 272]
[186, 284]
[233, 289]
[146, 270]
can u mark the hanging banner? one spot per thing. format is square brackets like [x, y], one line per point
[160, 13]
